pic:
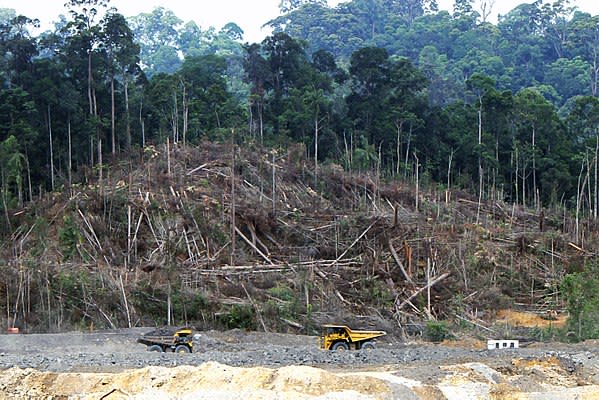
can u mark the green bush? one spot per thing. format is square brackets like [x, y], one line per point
[239, 316]
[581, 293]
[68, 238]
[282, 292]
[437, 331]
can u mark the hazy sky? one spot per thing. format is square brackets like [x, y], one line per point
[250, 15]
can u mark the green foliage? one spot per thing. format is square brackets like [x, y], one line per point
[288, 305]
[581, 294]
[240, 317]
[69, 238]
[282, 292]
[437, 331]
[548, 334]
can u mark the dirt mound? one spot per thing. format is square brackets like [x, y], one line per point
[208, 381]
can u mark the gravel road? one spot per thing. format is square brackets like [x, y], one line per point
[115, 351]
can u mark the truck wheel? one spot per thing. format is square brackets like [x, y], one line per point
[368, 346]
[156, 347]
[340, 346]
[182, 349]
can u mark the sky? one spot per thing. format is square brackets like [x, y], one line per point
[250, 15]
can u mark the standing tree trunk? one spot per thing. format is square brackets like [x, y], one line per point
[233, 222]
[274, 187]
[596, 190]
[89, 82]
[417, 181]
[112, 117]
[70, 152]
[448, 192]
[408, 151]
[480, 161]
[398, 126]
[534, 170]
[127, 117]
[51, 149]
[175, 116]
[141, 124]
[185, 115]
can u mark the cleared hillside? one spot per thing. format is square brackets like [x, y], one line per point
[218, 236]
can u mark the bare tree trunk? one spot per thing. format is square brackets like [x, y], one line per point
[408, 152]
[127, 116]
[398, 126]
[112, 117]
[596, 205]
[70, 150]
[595, 77]
[448, 191]
[480, 161]
[233, 222]
[523, 183]
[517, 165]
[175, 116]
[185, 113]
[29, 177]
[168, 307]
[168, 157]
[534, 170]
[89, 82]
[6, 215]
[141, 124]
[316, 152]
[51, 149]
[100, 161]
[274, 186]
[428, 287]
[417, 181]
[260, 116]
[580, 191]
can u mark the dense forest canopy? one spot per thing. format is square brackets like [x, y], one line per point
[507, 110]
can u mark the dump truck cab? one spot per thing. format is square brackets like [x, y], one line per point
[341, 338]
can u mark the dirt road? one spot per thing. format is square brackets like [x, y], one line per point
[393, 370]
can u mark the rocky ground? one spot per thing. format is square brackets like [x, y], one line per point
[269, 365]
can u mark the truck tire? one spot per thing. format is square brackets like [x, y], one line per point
[340, 346]
[182, 349]
[156, 347]
[368, 346]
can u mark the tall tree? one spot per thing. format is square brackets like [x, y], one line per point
[586, 40]
[122, 57]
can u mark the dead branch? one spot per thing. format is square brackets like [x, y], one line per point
[248, 241]
[292, 323]
[399, 263]
[422, 289]
[255, 307]
[355, 241]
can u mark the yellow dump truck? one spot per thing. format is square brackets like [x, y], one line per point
[341, 338]
[168, 340]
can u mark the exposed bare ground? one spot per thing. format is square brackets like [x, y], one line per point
[257, 365]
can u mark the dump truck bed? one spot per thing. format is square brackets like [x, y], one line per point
[357, 335]
[150, 340]
[339, 337]
[168, 339]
